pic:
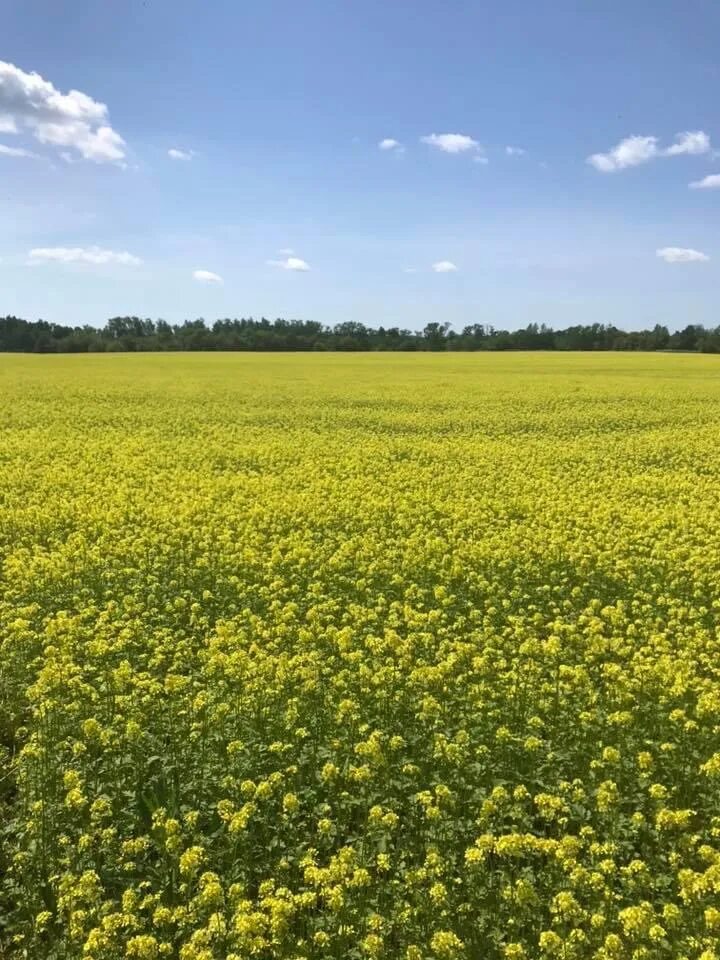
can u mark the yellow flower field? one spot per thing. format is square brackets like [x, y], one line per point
[375, 656]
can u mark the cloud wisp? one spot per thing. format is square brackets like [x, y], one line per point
[207, 276]
[692, 142]
[97, 256]
[389, 144]
[681, 255]
[32, 105]
[294, 264]
[637, 150]
[451, 142]
[711, 182]
[630, 152]
[17, 152]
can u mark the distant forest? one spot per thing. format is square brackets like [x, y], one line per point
[137, 334]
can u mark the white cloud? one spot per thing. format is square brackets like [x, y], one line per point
[291, 263]
[451, 142]
[630, 152]
[480, 159]
[176, 154]
[94, 255]
[389, 144]
[712, 182]
[409, 269]
[28, 102]
[692, 142]
[444, 266]
[634, 151]
[681, 255]
[515, 151]
[286, 251]
[16, 152]
[207, 276]
[103, 145]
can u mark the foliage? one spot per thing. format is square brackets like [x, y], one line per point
[360, 657]
[136, 334]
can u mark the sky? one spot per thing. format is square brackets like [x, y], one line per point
[385, 162]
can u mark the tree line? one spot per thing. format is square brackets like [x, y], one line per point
[138, 334]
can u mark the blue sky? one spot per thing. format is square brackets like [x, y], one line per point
[281, 108]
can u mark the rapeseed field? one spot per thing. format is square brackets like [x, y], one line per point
[373, 656]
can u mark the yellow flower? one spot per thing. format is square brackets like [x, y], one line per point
[711, 767]
[372, 945]
[191, 860]
[445, 943]
[240, 820]
[42, 919]
[144, 947]
[607, 796]
[550, 942]
[438, 893]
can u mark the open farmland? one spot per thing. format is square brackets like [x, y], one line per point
[379, 656]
